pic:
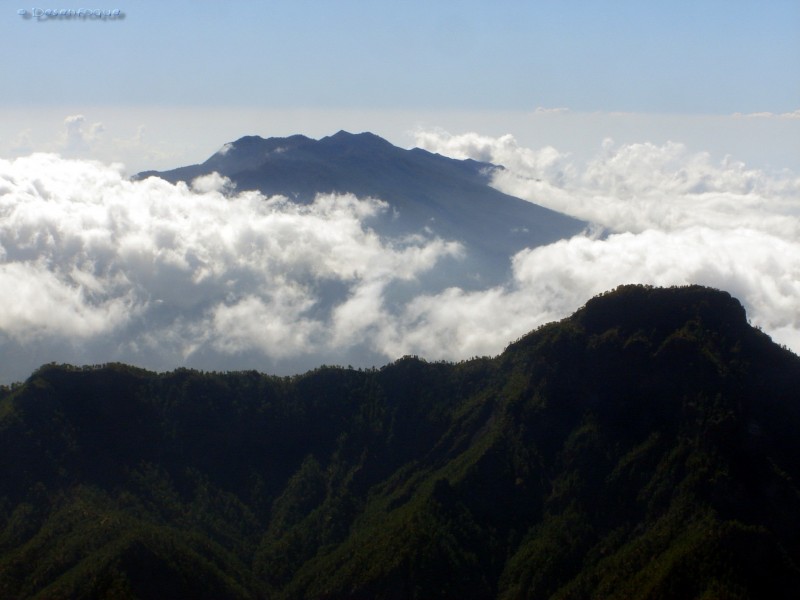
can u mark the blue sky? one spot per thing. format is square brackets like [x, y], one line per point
[315, 66]
[685, 57]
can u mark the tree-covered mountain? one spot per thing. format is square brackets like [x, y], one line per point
[646, 447]
[426, 193]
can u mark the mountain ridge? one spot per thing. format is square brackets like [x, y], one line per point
[644, 447]
[427, 193]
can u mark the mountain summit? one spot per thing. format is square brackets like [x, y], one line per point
[426, 192]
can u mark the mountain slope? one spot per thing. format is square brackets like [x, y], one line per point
[425, 191]
[646, 447]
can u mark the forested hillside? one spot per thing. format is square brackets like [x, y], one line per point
[646, 447]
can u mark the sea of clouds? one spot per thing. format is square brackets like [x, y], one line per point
[95, 267]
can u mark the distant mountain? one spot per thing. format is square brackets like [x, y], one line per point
[646, 447]
[450, 198]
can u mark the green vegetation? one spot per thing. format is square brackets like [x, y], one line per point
[646, 447]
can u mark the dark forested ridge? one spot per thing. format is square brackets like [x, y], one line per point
[646, 447]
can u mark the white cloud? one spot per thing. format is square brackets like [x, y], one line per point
[78, 140]
[541, 110]
[225, 149]
[795, 114]
[213, 182]
[673, 217]
[94, 267]
[635, 187]
[553, 281]
[273, 323]
[169, 272]
[38, 304]
[546, 164]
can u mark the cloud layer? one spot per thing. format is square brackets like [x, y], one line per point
[159, 273]
[670, 217]
[94, 267]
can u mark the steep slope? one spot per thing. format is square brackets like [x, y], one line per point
[646, 447]
[426, 192]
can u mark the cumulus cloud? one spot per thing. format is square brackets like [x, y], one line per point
[81, 136]
[78, 138]
[545, 164]
[549, 282]
[635, 187]
[94, 267]
[670, 217]
[172, 271]
[213, 182]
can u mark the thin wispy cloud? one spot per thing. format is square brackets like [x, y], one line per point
[795, 114]
[542, 110]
